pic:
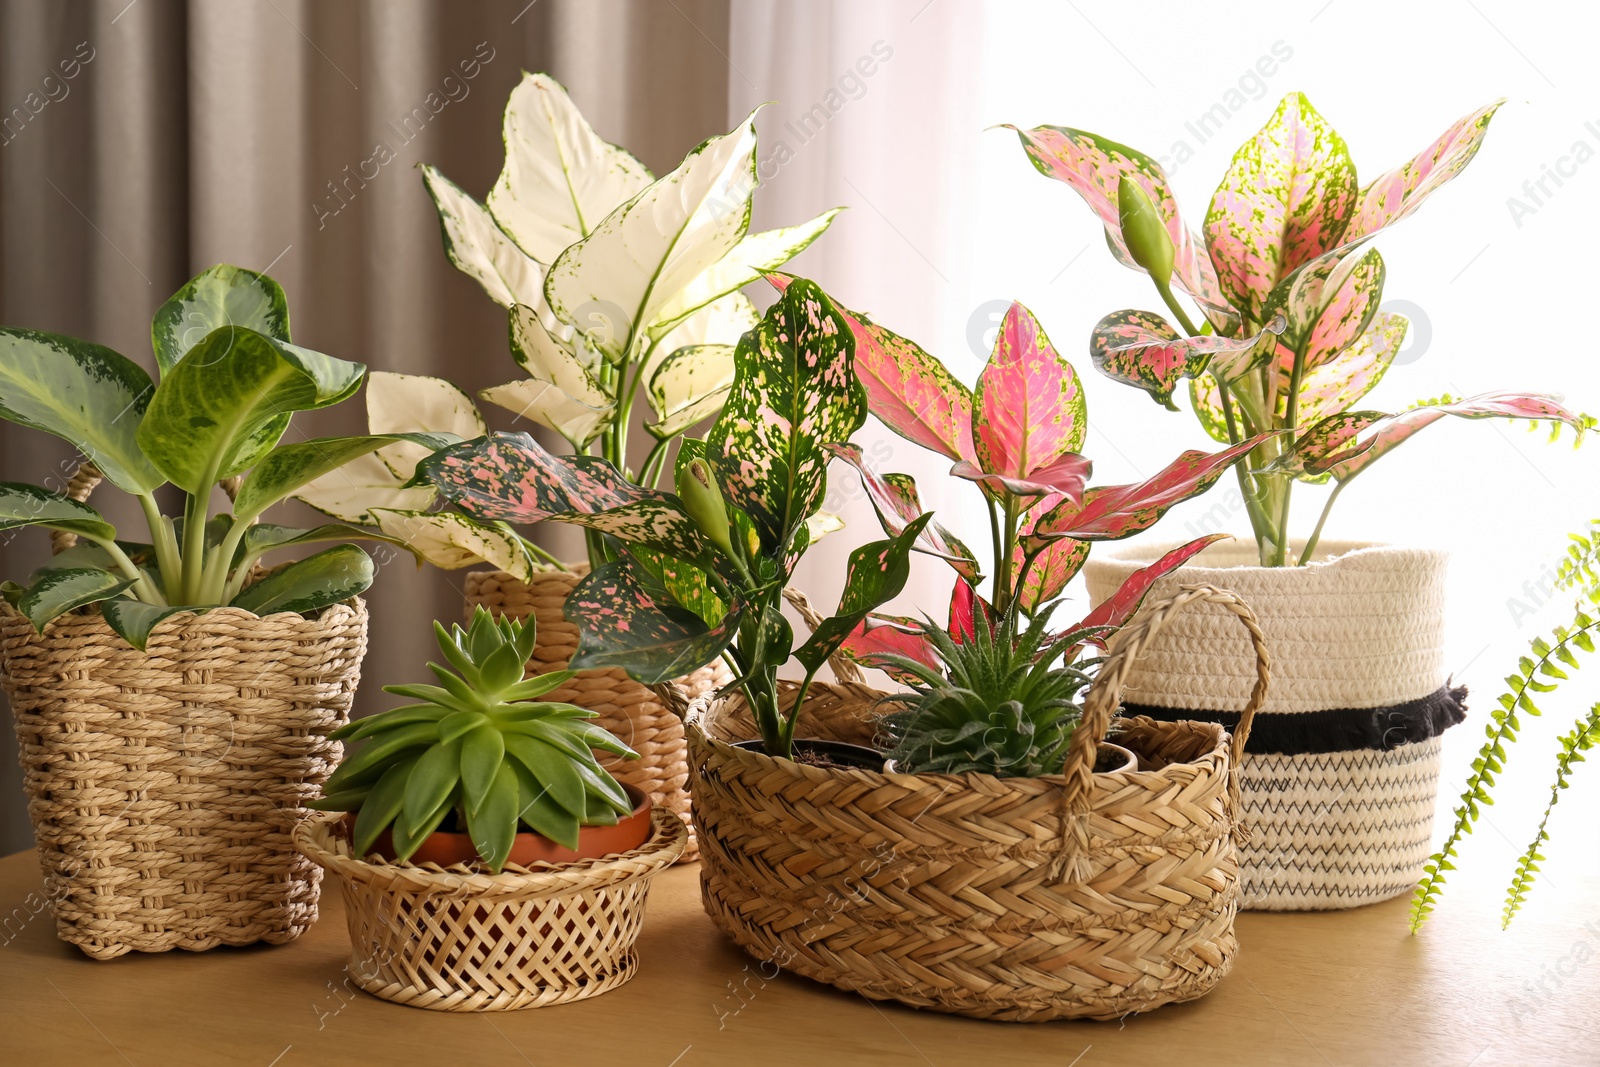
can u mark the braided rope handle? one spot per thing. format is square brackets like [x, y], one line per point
[83, 482]
[844, 668]
[1106, 694]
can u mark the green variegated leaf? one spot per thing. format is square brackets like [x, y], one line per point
[626, 618]
[793, 393]
[221, 296]
[560, 179]
[480, 249]
[310, 584]
[290, 467]
[747, 261]
[686, 584]
[450, 541]
[264, 537]
[690, 385]
[28, 505]
[224, 406]
[61, 590]
[134, 620]
[85, 394]
[876, 573]
[1286, 199]
[642, 255]
[895, 500]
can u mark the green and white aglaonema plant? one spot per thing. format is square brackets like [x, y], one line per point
[482, 747]
[376, 489]
[700, 573]
[1017, 436]
[1541, 671]
[1291, 334]
[617, 285]
[229, 381]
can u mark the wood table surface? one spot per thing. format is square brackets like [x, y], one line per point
[1347, 987]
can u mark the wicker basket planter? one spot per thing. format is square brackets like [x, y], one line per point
[633, 712]
[459, 939]
[1342, 770]
[1078, 895]
[163, 788]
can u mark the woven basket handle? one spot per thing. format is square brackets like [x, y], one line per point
[1106, 694]
[844, 668]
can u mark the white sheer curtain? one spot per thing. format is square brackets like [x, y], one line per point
[874, 107]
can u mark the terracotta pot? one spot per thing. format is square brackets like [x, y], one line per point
[447, 848]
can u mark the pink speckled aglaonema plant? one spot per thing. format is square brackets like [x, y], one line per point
[1291, 335]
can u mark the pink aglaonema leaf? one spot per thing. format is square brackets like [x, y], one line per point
[1286, 199]
[1110, 512]
[1392, 196]
[1066, 477]
[1346, 314]
[1345, 445]
[1052, 568]
[894, 498]
[1141, 348]
[1093, 166]
[907, 389]
[1335, 385]
[1029, 404]
[890, 635]
[1121, 605]
[968, 611]
[510, 477]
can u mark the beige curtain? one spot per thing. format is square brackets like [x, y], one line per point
[141, 142]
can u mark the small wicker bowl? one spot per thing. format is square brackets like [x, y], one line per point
[460, 939]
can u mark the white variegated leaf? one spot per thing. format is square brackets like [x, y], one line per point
[480, 249]
[756, 253]
[560, 179]
[649, 249]
[450, 541]
[352, 492]
[821, 525]
[406, 403]
[721, 322]
[689, 385]
[550, 405]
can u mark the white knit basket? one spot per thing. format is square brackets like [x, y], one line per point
[1361, 626]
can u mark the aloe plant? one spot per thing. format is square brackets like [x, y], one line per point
[481, 747]
[1541, 671]
[1291, 336]
[616, 285]
[229, 381]
[1017, 436]
[700, 573]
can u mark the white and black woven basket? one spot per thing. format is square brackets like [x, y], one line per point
[1342, 770]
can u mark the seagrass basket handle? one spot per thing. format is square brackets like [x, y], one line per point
[1106, 694]
[844, 668]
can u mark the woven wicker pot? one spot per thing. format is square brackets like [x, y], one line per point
[632, 711]
[163, 787]
[1078, 895]
[460, 939]
[1343, 766]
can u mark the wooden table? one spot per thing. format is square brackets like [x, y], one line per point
[1338, 988]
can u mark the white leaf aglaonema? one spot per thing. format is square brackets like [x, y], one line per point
[615, 283]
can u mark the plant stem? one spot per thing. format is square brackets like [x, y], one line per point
[1291, 407]
[1165, 289]
[141, 585]
[1316, 534]
[536, 550]
[1003, 593]
[168, 562]
[650, 473]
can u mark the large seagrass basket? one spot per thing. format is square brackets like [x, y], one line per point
[634, 712]
[460, 939]
[1077, 895]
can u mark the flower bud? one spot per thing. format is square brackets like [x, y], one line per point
[702, 499]
[1143, 230]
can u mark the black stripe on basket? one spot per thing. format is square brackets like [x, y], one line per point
[1335, 730]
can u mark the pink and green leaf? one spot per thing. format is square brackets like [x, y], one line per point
[794, 392]
[878, 636]
[1052, 569]
[1093, 166]
[1286, 199]
[1121, 606]
[627, 618]
[1108, 513]
[1141, 348]
[1346, 314]
[1067, 477]
[894, 497]
[512, 478]
[1338, 383]
[1396, 194]
[1030, 408]
[874, 574]
[907, 389]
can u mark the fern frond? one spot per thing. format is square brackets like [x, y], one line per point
[1501, 731]
[1584, 736]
